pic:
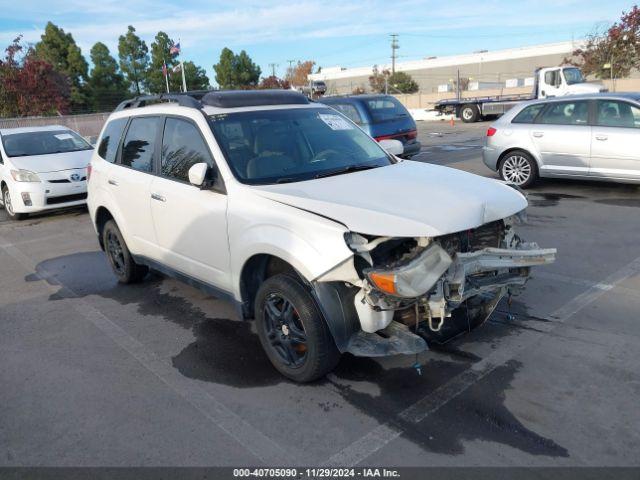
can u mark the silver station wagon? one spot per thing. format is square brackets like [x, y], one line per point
[588, 137]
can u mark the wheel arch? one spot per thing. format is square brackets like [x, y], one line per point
[102, 216]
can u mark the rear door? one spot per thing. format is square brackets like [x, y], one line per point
[562, 137]
[615, 140]
[130, 182]
[190, 223]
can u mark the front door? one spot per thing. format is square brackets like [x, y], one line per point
[562, 137]
[190, 223]
[615, 140]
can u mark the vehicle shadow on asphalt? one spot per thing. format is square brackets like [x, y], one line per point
[227, 351]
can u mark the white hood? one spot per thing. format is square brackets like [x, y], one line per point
[408, 199]
[584, 88]
[53, 162]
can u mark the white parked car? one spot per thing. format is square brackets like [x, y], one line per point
[308, 225]
[42, 168]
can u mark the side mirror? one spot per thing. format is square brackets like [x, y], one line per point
[394, 147]
[198, 174]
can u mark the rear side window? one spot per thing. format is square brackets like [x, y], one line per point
[139, 143]
[566, 113]
[386, 108]
[182, 148]
[614, 113]
[108, 146]
[348, 111]
[529, 114]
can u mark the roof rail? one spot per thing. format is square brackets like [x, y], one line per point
[188, 99]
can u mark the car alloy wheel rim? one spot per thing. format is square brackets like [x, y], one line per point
[7, 203]
[516, 169]
[285, 331]
[116, 254]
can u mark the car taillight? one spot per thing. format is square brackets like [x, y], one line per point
[412, 134]
[491, 132]
[88, 172]
[383, 137]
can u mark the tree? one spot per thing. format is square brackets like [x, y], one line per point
[385, 81]
[155, 80]
[59, 49]
[236, 71]
[107, 85]
[272, 82]
[298, 75]
[29, 86]
[134, 58]
[612, 52]
[196, 77]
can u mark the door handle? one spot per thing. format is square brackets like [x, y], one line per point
[112, 182]
[538, 134]
[602, 138]
[160, 198]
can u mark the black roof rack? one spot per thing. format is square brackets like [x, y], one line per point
[188, 99]
[219, 98]
[253, 98]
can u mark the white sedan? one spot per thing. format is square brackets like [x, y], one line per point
[42, 168]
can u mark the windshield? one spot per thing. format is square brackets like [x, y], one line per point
[573, 75]
[386, 108]
[43, 142]
[278, 146]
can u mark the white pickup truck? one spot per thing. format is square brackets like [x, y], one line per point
[548, 82]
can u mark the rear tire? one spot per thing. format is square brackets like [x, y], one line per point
[519, 167]
[470, 113]
[292, 330]
[7, 202]
[124, 267]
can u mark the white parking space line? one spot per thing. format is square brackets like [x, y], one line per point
[385, 433]
[261, 446]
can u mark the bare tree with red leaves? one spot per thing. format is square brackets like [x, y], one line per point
[272, 82]
[29, 86]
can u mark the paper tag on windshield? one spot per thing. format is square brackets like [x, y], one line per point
[335, 122]
[64, 136]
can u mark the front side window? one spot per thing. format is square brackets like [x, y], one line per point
[566, 113]
[386, 108]
[43, 142]
[139, 143]
[108, 146]
[288, 145]
[552, 78]
[614, 113]
[182, 148]
[573, 76]
[529, 114]
[348, 111]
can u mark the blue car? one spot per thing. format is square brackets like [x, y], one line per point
[381, 116]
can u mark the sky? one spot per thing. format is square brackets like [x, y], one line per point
[348, 33]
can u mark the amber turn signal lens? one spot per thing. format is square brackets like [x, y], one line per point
[384, 281]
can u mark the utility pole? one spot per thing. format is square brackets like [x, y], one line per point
[394, 47]
[273, 68]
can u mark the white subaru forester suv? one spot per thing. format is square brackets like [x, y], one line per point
[308, 225]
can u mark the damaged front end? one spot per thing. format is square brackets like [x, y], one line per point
[437, 287]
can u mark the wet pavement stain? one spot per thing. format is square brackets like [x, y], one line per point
[228, 352]
[538, 199]
[620, 202]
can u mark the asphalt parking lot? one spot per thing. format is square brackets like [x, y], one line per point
[94, 373]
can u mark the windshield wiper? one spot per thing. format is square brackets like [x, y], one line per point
[349, 169]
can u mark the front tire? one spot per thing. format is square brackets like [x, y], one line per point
[519, 168]
[8, 206]
[292, 330]
[124, 267]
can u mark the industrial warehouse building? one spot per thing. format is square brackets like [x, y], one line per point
[512, 68]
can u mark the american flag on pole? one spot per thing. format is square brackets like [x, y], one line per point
[175, 49]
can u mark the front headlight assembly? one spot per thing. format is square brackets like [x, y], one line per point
[24, 176]
[415, 278]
